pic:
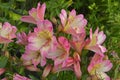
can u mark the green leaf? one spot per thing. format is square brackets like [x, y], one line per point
[33, 78]
[3, 61]
[14, 16]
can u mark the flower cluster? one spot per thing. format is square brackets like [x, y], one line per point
[42, 44]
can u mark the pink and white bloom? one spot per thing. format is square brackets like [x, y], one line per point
[73, 24]
[95, 42]
[19, 77]
[2, 70]
[71, 63]
[61, 53]
[7, 32]
[22, 38]
[98, 67]
[42, 39]
[78, 42]
[74, 62]
[31, 59]
[35, 14]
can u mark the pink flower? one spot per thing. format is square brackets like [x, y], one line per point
[7, 32]
[95, 41]
[31, 59]
[35, 14]
[78, 42]
[42, 39]
[62, 51]
[98, 67]
[19, 77]
[2, 70]
[74, 24]
[75, 64]
[22, 38]
[71, 63]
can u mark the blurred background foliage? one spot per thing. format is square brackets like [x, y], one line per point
[104, 14]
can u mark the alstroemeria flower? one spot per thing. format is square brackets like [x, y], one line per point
[7, 32]
[95, 41]
[22, 38]
[2, 70]
[78, 42]
[75, 63]
[71, 63]
[98, 67]
[31, 59]
[42, 39]
[62, 51]
[35, 14]
[19, 77]
[73, 24]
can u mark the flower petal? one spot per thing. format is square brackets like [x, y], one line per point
[28, 19]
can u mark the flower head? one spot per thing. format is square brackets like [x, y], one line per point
[31, 59]
[74, 24]
[98, 67]
[74, 63]
[35, 14]
[78, 42]
[22, 38]
[61, 52]
[7, 32]
[95, 42]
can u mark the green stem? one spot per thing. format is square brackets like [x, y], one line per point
[116, 72]
[4, 47]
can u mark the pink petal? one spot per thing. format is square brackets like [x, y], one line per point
[72, 14]
[32, 68]
[28, 19]
[36, 61]
[41, 11]
[63, 41]
[35, 43]
[77, 70]
[103, 49]
[2, 70]
[68, 62]
[4, 40]
[46, 71]
[7, 27]
[96, 49]
[33, 13]
[63, 17]
[45, 25]
[43, 61]
[105, 66]
[22, 38]
[101, 37]
[19, 77]
[91, 34]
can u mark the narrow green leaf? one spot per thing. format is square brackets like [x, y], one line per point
[3, 61]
